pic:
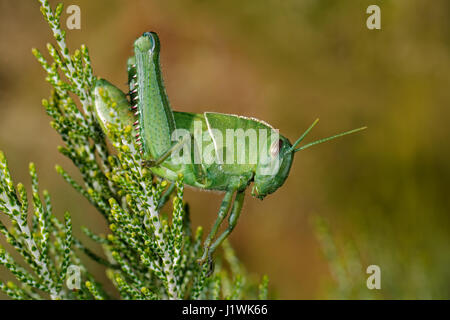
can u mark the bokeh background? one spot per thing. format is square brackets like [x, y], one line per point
[380, 197]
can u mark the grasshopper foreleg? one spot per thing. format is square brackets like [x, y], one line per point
[166, 196]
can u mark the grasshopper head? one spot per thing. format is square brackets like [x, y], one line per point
[273, 168]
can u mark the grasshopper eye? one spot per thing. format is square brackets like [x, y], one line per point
[275, 148]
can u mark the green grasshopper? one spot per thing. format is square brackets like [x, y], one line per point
[147, 111]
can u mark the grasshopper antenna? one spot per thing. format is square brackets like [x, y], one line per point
[302, 136]
[327, 139]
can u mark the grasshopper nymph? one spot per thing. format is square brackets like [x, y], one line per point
[155, 124]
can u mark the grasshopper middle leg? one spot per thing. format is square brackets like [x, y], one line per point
[223, 211]
[232, 220]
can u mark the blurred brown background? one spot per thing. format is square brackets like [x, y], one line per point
[383, 193]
